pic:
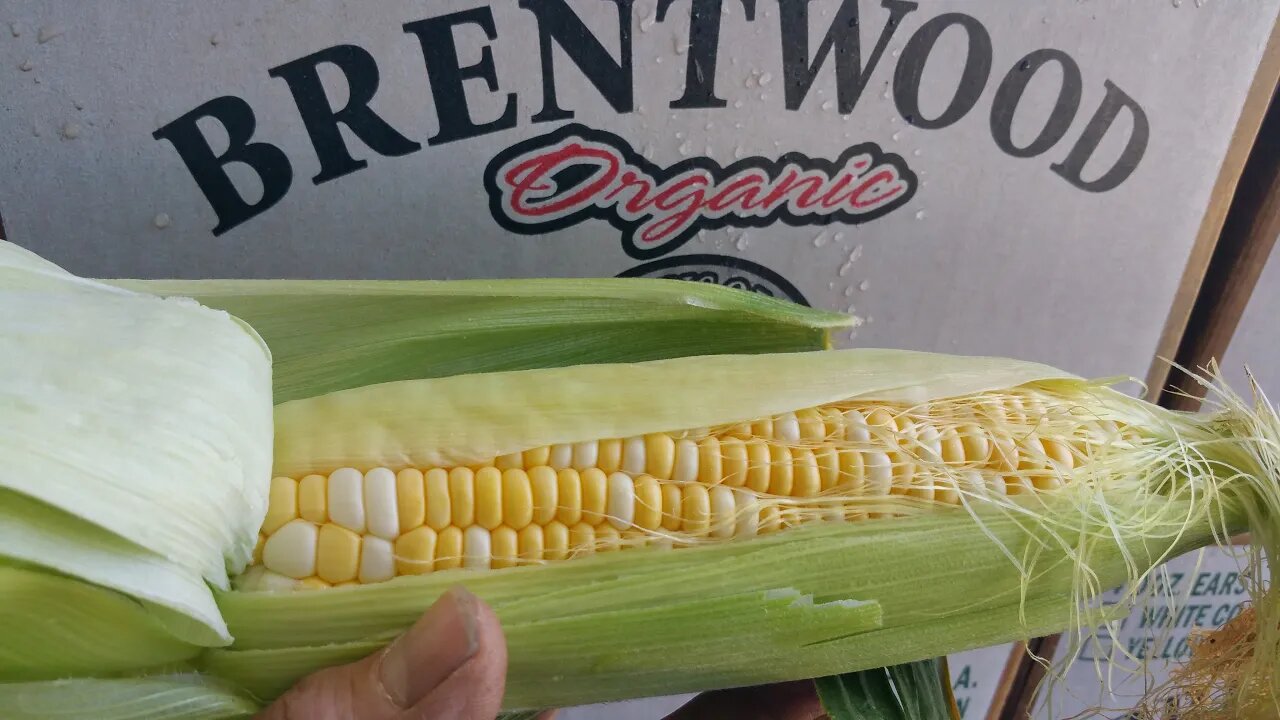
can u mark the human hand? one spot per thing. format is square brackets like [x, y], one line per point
[451, 664]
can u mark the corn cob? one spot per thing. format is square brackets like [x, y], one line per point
[561, 501]
[779, 514]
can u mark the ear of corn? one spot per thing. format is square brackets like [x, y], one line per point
[777, 516]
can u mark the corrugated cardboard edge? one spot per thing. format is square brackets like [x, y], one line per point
[1251, 114]
[1022, 675]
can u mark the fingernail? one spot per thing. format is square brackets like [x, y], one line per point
[442, 640]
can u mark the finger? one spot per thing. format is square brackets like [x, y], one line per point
[474, 690]
[784, 701]
[447, 640]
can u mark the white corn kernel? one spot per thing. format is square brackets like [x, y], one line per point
[377, 560]
[291, 550]
[346, 499]
[855, 427]
[621, 504]
[586, 455]
[381, 514]
[561, 457]
[787, 428]
[686, 469]
[477, 548]
[633, 455]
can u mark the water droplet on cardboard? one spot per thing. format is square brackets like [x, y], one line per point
[35, 130]
[706, 150]
[742, 242]
[845, 268]
[739, 152]
[26, 66]
[738, 125]
[77, 104]
[647, 23]
[1024, 66]
[919, 214]
[848, 291]
[831, 286]
[827, 105]
[737, 104]
[1177, 3]
[648, 151]
[657, 59]
[916, 152]
[896, 136]
[864, 285]
[71, 131]
[764, 96]
[681, 45]
[15, 29]
[897, 52]
[686, 148]
[47, 33]
[215, 39]
[820, 239]
[839, 236]
[162, 220]
[766, 78]
[709, 125]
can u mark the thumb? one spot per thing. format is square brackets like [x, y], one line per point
[451, 664]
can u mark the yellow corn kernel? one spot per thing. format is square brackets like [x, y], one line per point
[488, 483]
[439, 507]
[282, 505]
[696, 508]
[537, 456]
[462, 496]
[313, 583]
[337, 554]
[449, 549]
[569, 486]
[608, 538]
[555, 540]
[411, 499]
[781, 473]
[812, 428]
[832, 422]
[807, 481]
[710, 464]
[762, 429]
[531, 544]
[648, 512]
[660, 455]
[507, 462]
[311, 499]
[505, 547]
[828, 462]
[517, 499]
[734, 461]
[758, 465]
[671, 501]
[770, 519]
[595, 495]
[610, 459]
[582, 540]
[544, 490]
[977, 448]
[416, 551]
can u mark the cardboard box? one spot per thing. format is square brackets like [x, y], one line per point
[968, 177]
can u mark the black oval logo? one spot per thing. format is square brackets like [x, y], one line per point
[724, 270]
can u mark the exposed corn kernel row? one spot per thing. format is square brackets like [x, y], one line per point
[560, 501]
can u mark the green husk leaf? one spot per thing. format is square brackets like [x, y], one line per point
[147, 417]
[912, 691]
[176, 597]
[172, 697]
[473, 418]
[329, 335]
[55, 627]
[282, 636]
